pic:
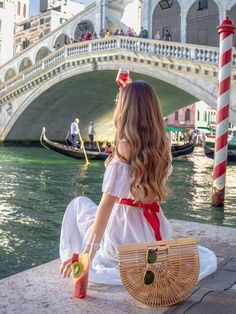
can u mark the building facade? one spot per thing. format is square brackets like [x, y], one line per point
[31, 30]
[64, 6]
[188, 21]
[193, 116]
[11, 12]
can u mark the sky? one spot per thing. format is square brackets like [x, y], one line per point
[34, 5]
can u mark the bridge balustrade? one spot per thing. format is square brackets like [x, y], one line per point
[194, 53]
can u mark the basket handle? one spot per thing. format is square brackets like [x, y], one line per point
[161, 248]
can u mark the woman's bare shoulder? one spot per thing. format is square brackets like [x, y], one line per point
[124, 150]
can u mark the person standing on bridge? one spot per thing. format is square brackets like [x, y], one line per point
[167, 35]
[134, 185]
[143, 33]
[74, 131]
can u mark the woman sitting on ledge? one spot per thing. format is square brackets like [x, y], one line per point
[136, 175]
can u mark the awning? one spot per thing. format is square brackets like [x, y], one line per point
[204, 129]
[173, 129]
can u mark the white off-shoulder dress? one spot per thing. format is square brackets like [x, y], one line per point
[126, 225]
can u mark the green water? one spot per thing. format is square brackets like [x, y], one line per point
[37, 185]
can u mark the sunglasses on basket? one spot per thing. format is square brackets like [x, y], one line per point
[149, 275]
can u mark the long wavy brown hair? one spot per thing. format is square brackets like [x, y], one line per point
[138, 120]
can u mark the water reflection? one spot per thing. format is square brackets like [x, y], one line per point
[37, 185]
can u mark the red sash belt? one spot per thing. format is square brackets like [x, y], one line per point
[150, 213]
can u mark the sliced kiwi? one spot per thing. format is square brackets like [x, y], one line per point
[77, 269]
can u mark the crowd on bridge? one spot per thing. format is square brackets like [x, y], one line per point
[106, 33]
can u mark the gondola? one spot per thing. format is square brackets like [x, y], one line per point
[69, 151]
[209, 152]
[87, 147]
[182, 150]
[177, 150]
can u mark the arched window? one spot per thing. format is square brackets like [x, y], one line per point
[24, 10]
[18, 8]
[25, 43]
[187, 115]
[176, 115]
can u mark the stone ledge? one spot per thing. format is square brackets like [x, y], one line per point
[41, 290]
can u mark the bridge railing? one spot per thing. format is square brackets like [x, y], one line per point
[194, 53]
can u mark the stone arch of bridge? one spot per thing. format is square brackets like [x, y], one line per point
[24, 64]
[82, 28]
[41, 53]
[10, 73]
[167, 19]
[154, 7]
[230, 5]
[201, 22]
[190, 3]
[61, 40]
[181, 82]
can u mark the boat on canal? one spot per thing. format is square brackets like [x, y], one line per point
[176, 150]
[87, 147]
[209, 149]
[70, 151]
[182, 150]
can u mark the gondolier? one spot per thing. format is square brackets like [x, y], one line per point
[74, 131]
[91, 133]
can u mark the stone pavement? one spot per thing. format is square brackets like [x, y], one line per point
[214, 295]
[41, 290]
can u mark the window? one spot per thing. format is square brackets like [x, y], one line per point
[165, 4]
[1, 4]
[18, 8]
[198, 115]
[62, 21]
[41, 21]
[176, 115]
[25, 44]
[202, 4]
[187, 115]
[26, 26]
[24, 10]
[205, 116]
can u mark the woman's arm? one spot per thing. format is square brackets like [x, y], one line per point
[101, 219]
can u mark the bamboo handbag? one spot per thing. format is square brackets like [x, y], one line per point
[159, 273]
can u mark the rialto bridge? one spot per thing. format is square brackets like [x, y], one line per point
[30, 75]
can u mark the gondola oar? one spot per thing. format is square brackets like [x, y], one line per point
[83, 148]
[99, 149]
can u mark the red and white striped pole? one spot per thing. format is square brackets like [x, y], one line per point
[226, 31]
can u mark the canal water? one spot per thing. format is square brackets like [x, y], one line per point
[37, 184]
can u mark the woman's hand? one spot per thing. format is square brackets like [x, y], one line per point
[65, 268]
